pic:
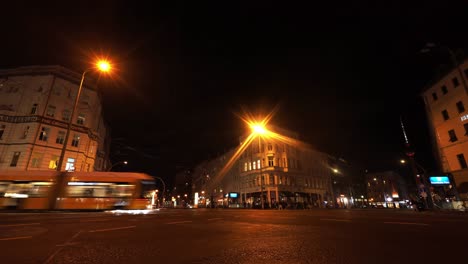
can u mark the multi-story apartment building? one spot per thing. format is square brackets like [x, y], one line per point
[446, 103]
[268, 172]
[386, 189]
[35, 107]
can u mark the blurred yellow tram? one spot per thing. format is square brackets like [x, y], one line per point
[53, 190]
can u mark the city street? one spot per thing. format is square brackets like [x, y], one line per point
[234, 236]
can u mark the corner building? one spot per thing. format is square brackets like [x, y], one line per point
[35, 107]
[446, 102]
[280, 173]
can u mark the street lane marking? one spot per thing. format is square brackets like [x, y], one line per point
[69, 241]
[337, 220]
[111, 229]
[20, 225]
[180, 222]
[406, 223]
[219, 218]
[15, 238]
[94, 220]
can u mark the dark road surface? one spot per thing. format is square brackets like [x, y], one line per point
[235, 236]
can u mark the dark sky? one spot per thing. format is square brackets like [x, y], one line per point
[341, 74]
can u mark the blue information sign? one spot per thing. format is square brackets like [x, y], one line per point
[439, 180]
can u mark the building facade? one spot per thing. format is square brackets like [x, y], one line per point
[268, 174]
[446, 103]
[386, 189]
[35, 107]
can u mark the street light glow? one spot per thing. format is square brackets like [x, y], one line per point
[103, 65]
[403, 161]
[259, 129]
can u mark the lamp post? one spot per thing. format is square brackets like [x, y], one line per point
[259, 129]
[117, 163]
[164, 188]
[421, 180]
[102, 66]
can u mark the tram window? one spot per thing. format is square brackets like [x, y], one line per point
[122, 190]
[28, 189]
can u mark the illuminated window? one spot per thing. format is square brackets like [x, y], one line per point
[434, 96]
[462, 161]
[258, 164]
[70, 166]
[254, 165]
[455, 82]
[44, 134]
[444, 89]
[460, 107]
[53, 162]
[250, 166]
[452, 135]
[50, 110]
[60, 137]
[34, 109]
[445, 115]
[76, 140]
[14, 160]
[81, 119]
[245, 166]
[2, 130]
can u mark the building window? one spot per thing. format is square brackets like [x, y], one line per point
[53, 162]
[76, 140]
[14, 160]
[258, 164]
[50, 110]
[245, 166]
[70, 166]
[445, 115]
[250, 166]
[271, 179]
[452, 135]
[254, 165]
[2, 130]
[25, 132]
[455, 82]
[36, 160]
[466, 128]
[444, 89]
[81, 119]
[44, 134]
[460, 107]
[60, 137]
[66, 115]
[34, 109]
[434, 96]
[270, 161]
[462, 161]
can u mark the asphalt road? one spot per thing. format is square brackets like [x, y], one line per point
[235, 236]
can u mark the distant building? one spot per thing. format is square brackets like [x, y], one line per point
[446, 102]
[35, 106]
[268, 172]
[386, 189]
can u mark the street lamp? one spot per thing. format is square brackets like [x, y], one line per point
[102, 66]
[259, 130]
[164, 188]
[117, 163]
[421, 179]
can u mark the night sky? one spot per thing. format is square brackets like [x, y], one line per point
[341, 75]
